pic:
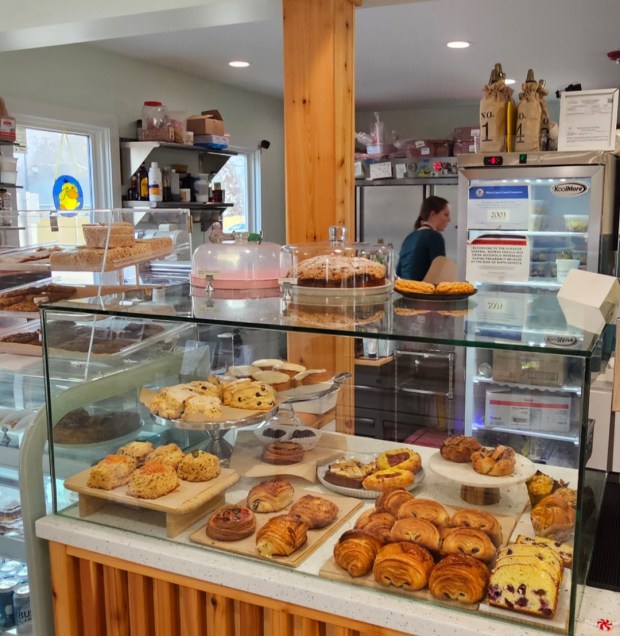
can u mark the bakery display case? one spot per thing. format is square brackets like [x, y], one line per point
[460, 526]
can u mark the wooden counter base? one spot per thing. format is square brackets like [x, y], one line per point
[99, 595]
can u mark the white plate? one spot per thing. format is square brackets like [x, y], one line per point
[360, 493]
[467, 476]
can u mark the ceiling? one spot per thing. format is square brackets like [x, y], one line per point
[401, 56]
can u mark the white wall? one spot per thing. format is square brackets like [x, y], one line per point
[101, 84]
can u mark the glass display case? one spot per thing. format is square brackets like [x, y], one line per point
[232, 393]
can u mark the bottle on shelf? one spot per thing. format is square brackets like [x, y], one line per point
[155, 183]
[143, 183]
[166, 184]
[133, 193]
[218, 193]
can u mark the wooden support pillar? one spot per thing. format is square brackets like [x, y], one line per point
[319, 122]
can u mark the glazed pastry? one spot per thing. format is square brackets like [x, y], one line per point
[270, 496]
[473, 518]
[420, 531]
[496, 462]
[553, 517]
[563, 550]
[404, 564]
[283, 453]
[316, 512]
[391, 500]
[281, 536]
[379, 524]
[349, 473]
[470, 541]
[355, 552]
[458, 448]
[425, 509]
[389, 478]
[401, 458]
[231, 523]
[458, 577]
[459, 287]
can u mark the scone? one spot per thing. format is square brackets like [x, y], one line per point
[204, 387]
[169, 454]
[153, 480]
[138, 450]
[202, 407]
[111, 472]
[198, 466]
[256, 396]
[170, 402]
[229, 388]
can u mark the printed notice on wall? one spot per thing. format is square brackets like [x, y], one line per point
[588, 120]
[494, 258]
[498, 207]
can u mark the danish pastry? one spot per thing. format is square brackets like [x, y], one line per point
[403, 564]
[401, 458]
[470, 541]
[379, 524]
[349, 473]
[553, 517]
[392, 500]
[458, 577]
[355, 552]
[231, 523]
[496, 462]
[389, 478]
[425, 509]
[270, 496]
[414, 286]
[458, 448]
[485, 521]
[459, 287]
[281, 536]
[316, 512]
[418, 531]
[283, 453]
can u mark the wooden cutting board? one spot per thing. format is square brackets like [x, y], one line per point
[182, 507]
[316, 538]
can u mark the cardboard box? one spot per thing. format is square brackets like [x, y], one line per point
[527, 411]
[219, 141]
[524, 367]
[429, 148]
[209, 122]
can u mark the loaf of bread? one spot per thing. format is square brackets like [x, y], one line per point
[153, 480]
[355, 552]
[563, 550]
[271, 495]
[403, 564]
[458, 577]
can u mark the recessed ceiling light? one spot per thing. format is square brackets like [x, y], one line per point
[239, 64]
[458, 45]
[509, 81]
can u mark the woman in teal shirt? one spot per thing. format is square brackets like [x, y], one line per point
[426, 242]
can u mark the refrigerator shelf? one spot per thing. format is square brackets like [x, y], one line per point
[566, 388]
[571, 436]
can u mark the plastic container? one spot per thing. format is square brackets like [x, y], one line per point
[338, 268]
[236, 264]
[576, 222]
[155, 183]
[155, 122]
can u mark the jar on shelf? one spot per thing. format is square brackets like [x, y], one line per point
[155, 122]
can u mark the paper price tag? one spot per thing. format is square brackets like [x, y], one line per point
[400, 170]
[204, 273]
[419, 144]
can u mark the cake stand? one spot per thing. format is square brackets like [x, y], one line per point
[477, 489]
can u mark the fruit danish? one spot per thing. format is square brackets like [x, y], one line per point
[404, 564]
[355, 552]
[401, 458]
[389, 478]
[231, 523]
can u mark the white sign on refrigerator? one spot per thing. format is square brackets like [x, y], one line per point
[499, 207]
[493, 258]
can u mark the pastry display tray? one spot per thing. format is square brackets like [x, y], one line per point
[108, 265]
[182, 507]
[16, 259]
[247, 547]
[440, 298]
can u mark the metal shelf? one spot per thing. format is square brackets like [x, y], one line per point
[13, 548]
[193, 205]
[570, 436]
[479, 379]
[407, 181]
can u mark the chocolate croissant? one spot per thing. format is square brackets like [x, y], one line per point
[272, 495]
[420, 531]
[425, 509]
[473, 518]
[391, 500]
[317, 512]
[458, 577]
[376, 523]
[470, 541]
[281, 536]
[404, 564]
[356, 551]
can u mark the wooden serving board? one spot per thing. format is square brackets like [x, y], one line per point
[316, 538]
[182, 507]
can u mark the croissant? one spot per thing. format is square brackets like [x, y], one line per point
[472, 518]
[316, 512]
[425, 509]
[458, 577]
[391, 500]
[281, 536]
[553, 517]
[376, 523]
[270, 496]
[420, 531]
[470, 541]
[404, 564]
[355, 552]
[498, 461]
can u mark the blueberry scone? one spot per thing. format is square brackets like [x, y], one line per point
[203, 405]
[256, 396]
